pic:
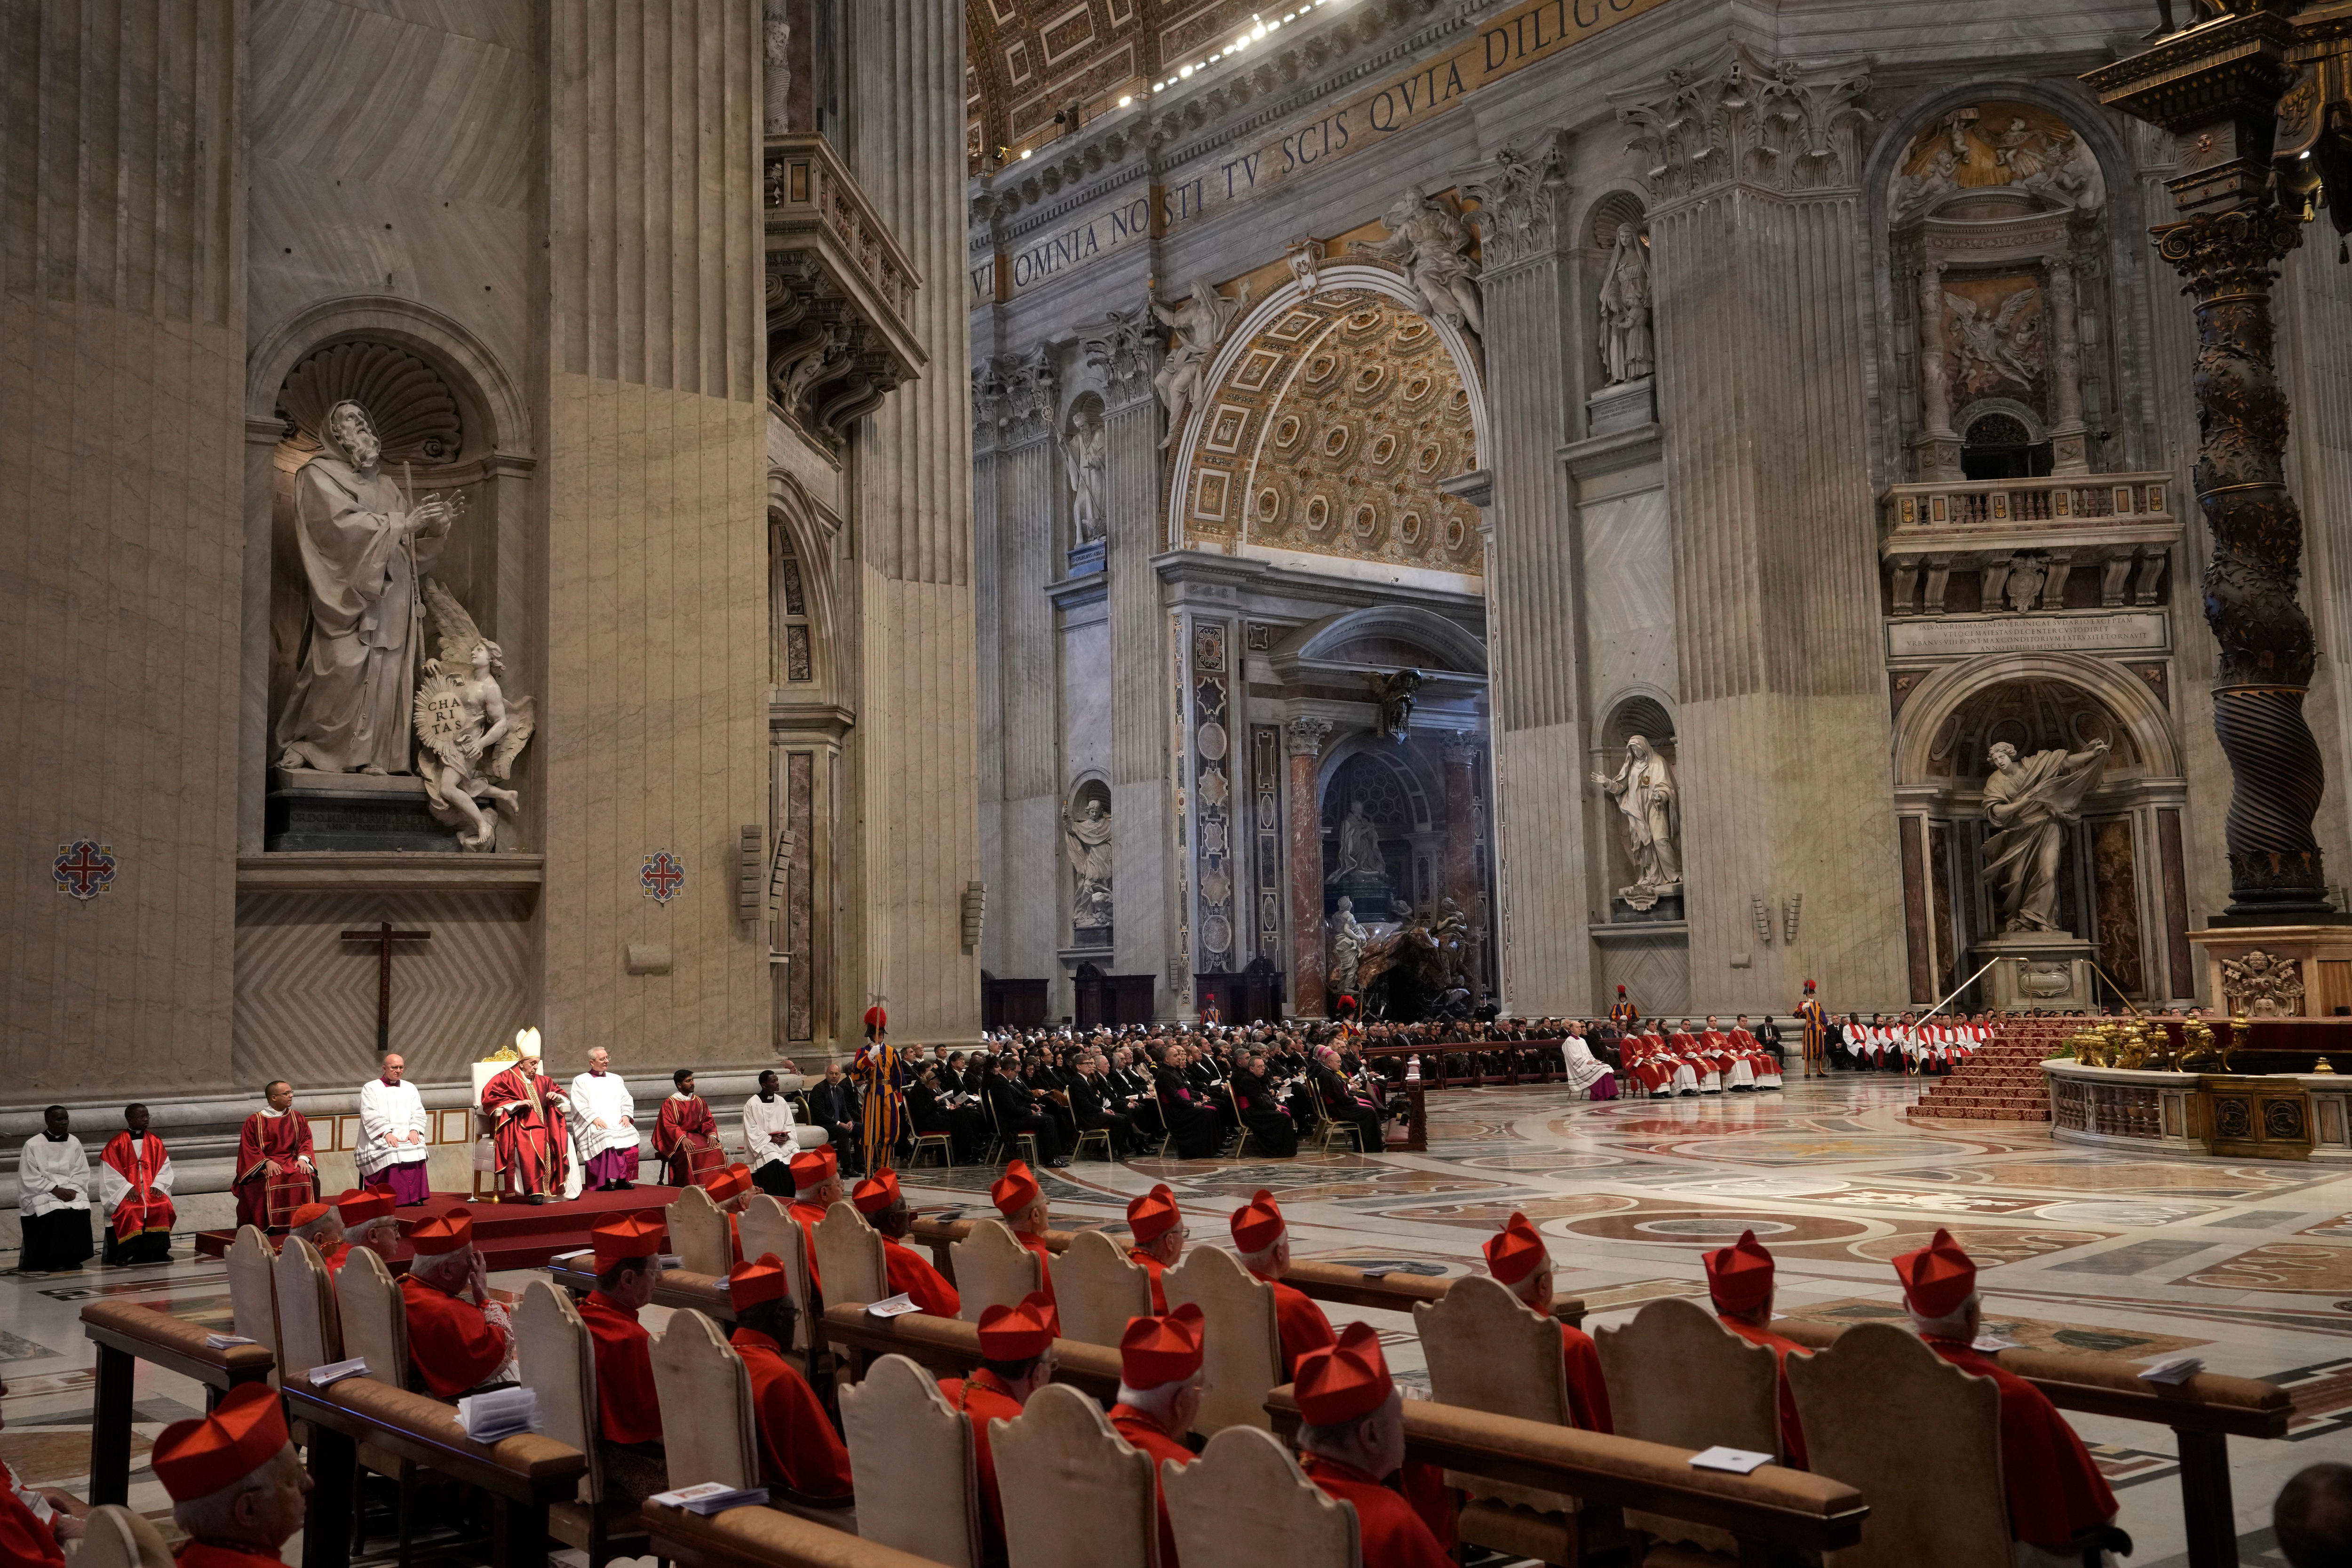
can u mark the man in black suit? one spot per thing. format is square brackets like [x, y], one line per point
[833, 1105]
[1017, 1111]
[1091, 1106]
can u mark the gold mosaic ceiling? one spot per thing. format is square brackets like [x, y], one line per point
[1028, 59]
[1329, 435]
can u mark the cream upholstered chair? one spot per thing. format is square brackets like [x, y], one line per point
[1679, 1377]
[767, 1227]
[910, 1462]
[114, 1537]
[1486, 1351]
[849, 1256]
[375, 1319]
[1242, 1341]
[309, 1326]
[707, 1424]
[1918, 1438]
[698, 1232]
[1076, 1493]
[992, 1270]
[556, 1357]
[1244, 1503]
[252, 1293]
[1096, 1289]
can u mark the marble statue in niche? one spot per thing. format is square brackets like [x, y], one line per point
[1644, 789]
[2030, 802]
[1361, 859]
[1085, 842]
[468, 732]
[1429, 242]
[1625, 350]
[1201, 324]
[364, 540]
[1347, 939]
[1083, 457]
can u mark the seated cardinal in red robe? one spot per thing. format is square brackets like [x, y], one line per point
[628, 1413]
[686, 1137]
[1517, 1256]
[798, 1450]
[1159, 1396]
[134, 1187]
[1157, 1226]
[1264, 1239]
[1739, 1282]
[1353, 1441]
[274, 1171]
[1016, 1360]
[910, 1273]
[526, 1113]
[455, 1344]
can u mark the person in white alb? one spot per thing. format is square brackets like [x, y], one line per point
[53, 1197]
[605, 1126]
[770, 1138]
[393, 1135]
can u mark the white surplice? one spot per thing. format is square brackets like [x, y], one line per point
[386, 1108]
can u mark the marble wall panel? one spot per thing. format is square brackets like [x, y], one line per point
[121, 358]
[1085, 698]
[1628, 550]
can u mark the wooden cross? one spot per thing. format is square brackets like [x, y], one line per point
[384, 936]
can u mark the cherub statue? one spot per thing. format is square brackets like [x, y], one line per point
[467, 732]
[1428, 242]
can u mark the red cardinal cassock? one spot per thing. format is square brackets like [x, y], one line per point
[272, 1178]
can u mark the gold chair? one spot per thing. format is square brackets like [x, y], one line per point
[942, 1142]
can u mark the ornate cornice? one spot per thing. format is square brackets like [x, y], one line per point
[1123, 352]
[1742, 118]
[1014, 398]
[1520, 193]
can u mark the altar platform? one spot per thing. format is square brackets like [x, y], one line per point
[509, 1234]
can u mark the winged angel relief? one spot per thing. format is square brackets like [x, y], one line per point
[1997, 345]
[467, 732]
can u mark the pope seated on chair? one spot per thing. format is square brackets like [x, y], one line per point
[798, 1450]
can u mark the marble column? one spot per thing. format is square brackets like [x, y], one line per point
[1938, 443]
[2070, 446]
[1460, 754]
[1534, 619]
[1305, 739]
[1030, 883]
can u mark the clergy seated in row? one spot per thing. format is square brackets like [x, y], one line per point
[770, 1138]
[730, 1191]
[455, 1345]
[1159, 1396]
[1344, 1104]
[833, 1105]
[1517, 1258]
[135, 1190]
[274, 1171]
[685, 1135]
[798, 1450]
[527, 1114]
[2056, 1495]
[1352, 1436]
[1016, 1360]
[52, 1198]
[909, 1273]
[237, 1486]
[1739, 1283]
[1264, 1240]
[605, 1126]
[1157, 1226]
[393, 1134]
[358, 1219]
[817, 1187]
[36, 1522]
[1022, 1201]
[628, 1411]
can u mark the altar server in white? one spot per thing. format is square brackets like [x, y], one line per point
[770, 1138]
[393, 1135]
[53, 1197]
[605, 1126]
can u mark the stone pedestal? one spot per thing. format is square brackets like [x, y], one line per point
[1086, 559]
[306, 810]
[1628, 406]
[2280, 972]
[2038, 971]
[1369, 894]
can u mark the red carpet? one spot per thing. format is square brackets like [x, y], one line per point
[510, 1235]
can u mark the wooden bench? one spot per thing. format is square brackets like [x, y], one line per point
[1322, 1281]
[706, 1293]
[524, 1474]
[951, 1345]
[763, 1538]
[2204, 1413]
[1767, 1508]
[124, 1334]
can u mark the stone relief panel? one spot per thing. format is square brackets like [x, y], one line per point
[1979, 149]
[1212, 762]
[1328, 436]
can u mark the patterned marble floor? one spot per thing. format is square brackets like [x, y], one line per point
[2249, 1266]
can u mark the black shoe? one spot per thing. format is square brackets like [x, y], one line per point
[1061, 1164]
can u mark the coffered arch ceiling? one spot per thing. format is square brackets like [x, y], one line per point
[1026, 59]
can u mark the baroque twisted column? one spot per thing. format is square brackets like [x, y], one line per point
[1305, 739]
[2230, 259]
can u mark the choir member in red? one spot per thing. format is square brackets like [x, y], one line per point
[2055, 1493]
[1353, 1440]
[730, 1189]
[35, 1521]
[686, 1137]
[910, 1273]
[135, 1187]
[1016, 1360]
[235, 1484]
[1158, 1229]
[1159, 1396]
[628, 1411]
[274, 1173]
[322, 1225]
[798, 1450]
[1739, 1283]
[527, 1112]
[817, 1187]
[366, 1214]
[1265, 1243]
[1021, 1203]
[455, 1345]
[1517, 1256]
